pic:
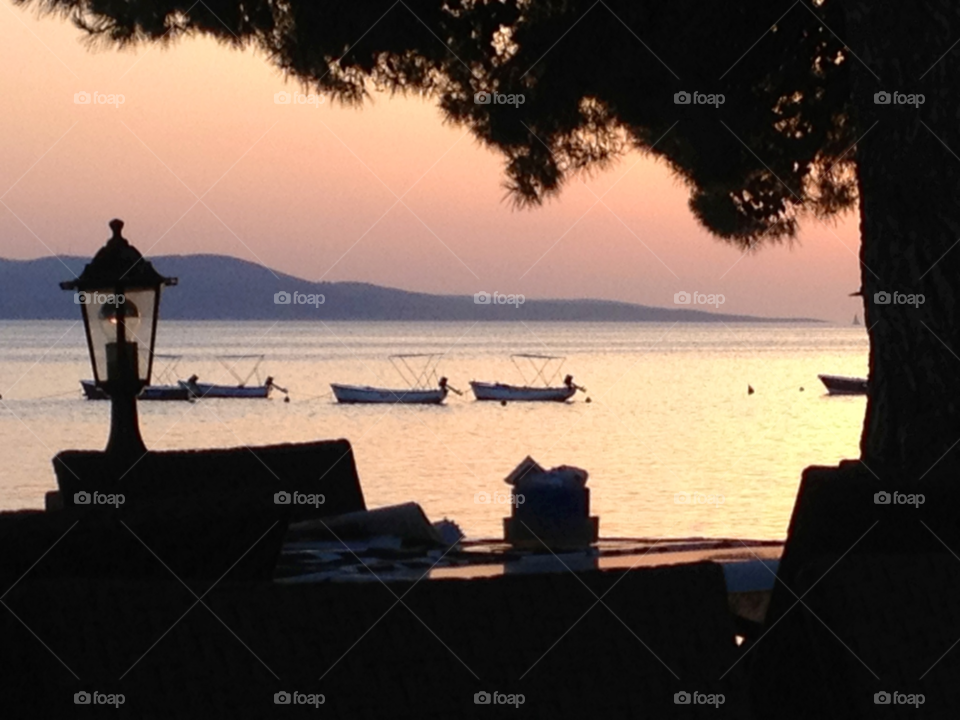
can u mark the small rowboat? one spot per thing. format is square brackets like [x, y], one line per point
[518, 393]
[358, 394]
[208, 390]
[151, 392]
[840, 385]
[239, 391]
[420, 392]
[501, 392]
[168, 389]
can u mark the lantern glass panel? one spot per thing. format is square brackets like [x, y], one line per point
[112, 316]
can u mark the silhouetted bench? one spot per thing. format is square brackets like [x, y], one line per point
[324, 468]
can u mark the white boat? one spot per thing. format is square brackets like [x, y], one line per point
[840, 385]
[420, 392]
[170, 389]
[502, 392]
[208, 390]
[241, 390]
[520, 393]
[365, 394]
[152, 392]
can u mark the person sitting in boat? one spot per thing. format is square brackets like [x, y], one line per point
[568, 381]
[269, 383]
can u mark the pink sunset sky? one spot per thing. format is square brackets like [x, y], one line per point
[200, 159]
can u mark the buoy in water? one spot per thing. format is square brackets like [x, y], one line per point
[749, 389]
[287, 399]
[588, 400]
[503, 403]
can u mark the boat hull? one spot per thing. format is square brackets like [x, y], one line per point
[516, 393]
[839, 385]
[206, 390]
[358, 394]
[151, 392]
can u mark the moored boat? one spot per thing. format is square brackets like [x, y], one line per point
[841, 385]
[167, 389]
[364, 394]
[151, 392]
[421, 390]
[209, 390]
[520, 393]
[503, 392]
[241, 390]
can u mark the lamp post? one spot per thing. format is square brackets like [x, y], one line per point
[119, 295]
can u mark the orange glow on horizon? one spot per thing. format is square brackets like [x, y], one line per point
[198, 158]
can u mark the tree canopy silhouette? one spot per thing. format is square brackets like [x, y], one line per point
[795, 135]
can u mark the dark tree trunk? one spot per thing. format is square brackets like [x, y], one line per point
[909, 177]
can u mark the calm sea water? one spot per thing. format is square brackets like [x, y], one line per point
[669, 413]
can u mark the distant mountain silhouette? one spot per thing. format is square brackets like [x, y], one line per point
[219, 287]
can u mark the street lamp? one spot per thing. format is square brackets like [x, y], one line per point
[119, 295]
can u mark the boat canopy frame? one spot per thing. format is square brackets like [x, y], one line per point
[167, 374]
[254, 372]
[426, 378]
[540, 369]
